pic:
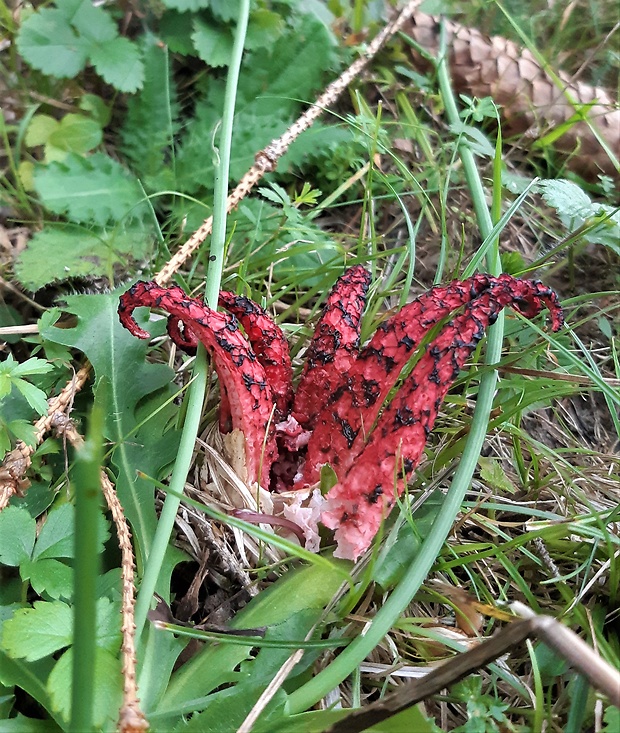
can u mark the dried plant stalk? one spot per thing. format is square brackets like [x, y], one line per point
[532, 103]
[18, 460]
[560, 638]
[131, 717]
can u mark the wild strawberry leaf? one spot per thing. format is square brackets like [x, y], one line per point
[213, 43]
[90, 190]
[107, 691]
[49, 576]
[60, 41]
[35, 633]
[66, 252]
[118, 61]
[18, 531]
[49, 44]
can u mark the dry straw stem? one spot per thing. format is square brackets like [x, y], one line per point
[565, 642]
[18, 460]
[533, 101]
[131, 718]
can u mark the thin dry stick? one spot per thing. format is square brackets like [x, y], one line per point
[131, 717]
[18, 460]
[560, 638]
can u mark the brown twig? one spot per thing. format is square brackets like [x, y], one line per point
[564, 641]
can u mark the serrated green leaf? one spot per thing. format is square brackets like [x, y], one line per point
[76, 134]
[213, 43]
[90, 190]
[107, 692]
[18, 531]
[118, 62]
[31, 366]
[90, 21]
[176, 30]
[55, 254]
[492, 472]
[36, 397]
[23, 430]
[56, 536]
[120, 358]
[264, 28]
[575, 209]
[48, 43]
[225, 10]
[35, 633]
[49, 576]
[39, 130]
[184, 5]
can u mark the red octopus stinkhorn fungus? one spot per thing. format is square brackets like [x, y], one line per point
[339, 414]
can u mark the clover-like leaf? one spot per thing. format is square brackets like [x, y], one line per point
[48, 43]
[35, 633]
[49, 576]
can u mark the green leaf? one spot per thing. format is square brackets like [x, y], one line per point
[22, 724]
[212, 43]
[56, 536]
[492, 472]
[57, 254]
[118, 62]
[49, 576]
[119, 357]
[24, 431]
[90, 21]
[31, 366]
[185, 5]
[49, 44]
[36, 397]
[107, 693]
[76, 134]
[264, 28]
[152, 122]
[17, 535]
[575, 209]
[297, 591]
[95, 189]
[35, 633]
[96, 108]
[176, 30]
[39, 130]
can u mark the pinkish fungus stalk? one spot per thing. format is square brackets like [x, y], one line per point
[339, 414]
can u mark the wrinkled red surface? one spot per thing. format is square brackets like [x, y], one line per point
[269, 344]
[340, 409]
[248, 395]
[334, 346]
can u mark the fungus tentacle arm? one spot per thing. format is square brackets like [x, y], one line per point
[343, 425]
[358, 503]
[269, 345]
[241, 376]
[334, 346]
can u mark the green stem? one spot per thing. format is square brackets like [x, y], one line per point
[197, 388]
[87, 478]
[310, 693]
